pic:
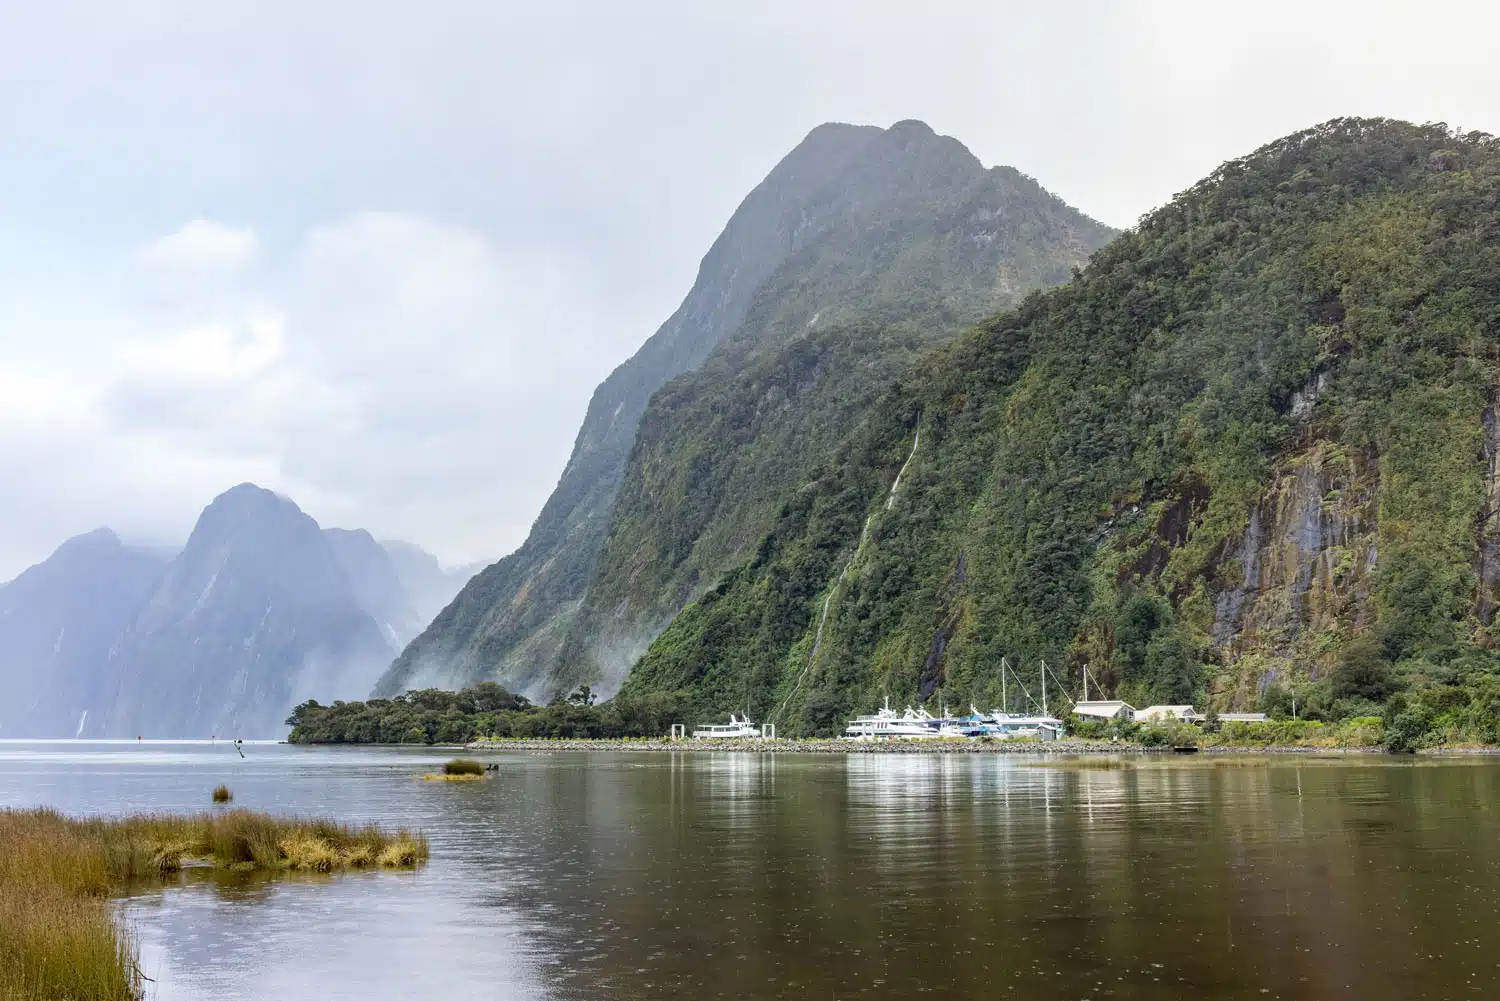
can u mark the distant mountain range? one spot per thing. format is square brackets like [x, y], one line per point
[261, 609]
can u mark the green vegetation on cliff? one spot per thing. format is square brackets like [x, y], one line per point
[1247, 456]
[861, 248]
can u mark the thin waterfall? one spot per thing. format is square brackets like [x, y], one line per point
[891, 497]
[864, 536]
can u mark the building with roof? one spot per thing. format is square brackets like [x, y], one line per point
[1183, 714]
[1112, 709]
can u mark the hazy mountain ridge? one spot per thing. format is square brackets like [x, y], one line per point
[258, 603]
[58, 621]
[1248, 453]
[260, 609]
[897, 223]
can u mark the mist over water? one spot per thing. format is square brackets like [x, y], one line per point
[585, 876]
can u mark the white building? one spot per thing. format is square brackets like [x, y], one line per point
[1243, 717]
[1183, 714]
[1108, 709]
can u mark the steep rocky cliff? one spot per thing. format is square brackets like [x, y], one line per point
[1249, 452]
[861, 247]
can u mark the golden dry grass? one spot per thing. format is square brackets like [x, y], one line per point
[58, 939]
[222, 794]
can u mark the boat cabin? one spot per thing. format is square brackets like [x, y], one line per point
[739, 727]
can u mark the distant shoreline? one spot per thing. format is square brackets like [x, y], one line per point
[955, 746]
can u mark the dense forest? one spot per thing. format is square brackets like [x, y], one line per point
[1246, 458]
[432, 716]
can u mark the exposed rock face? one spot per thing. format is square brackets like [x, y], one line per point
[889, 239]
[58, 621]
[1488, 527]
[1305, 562]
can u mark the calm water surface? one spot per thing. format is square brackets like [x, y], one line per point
[586, 876]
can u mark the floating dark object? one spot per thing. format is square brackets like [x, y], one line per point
[1185, 749]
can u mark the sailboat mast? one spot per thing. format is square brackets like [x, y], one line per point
[1003, 706]
[1044, 688]
[1085, 682]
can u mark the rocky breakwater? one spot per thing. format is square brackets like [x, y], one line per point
[811, 746]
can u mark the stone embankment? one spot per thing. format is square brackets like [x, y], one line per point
[814, 746]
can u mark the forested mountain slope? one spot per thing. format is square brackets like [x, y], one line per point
[862, 245]
[1250, 450]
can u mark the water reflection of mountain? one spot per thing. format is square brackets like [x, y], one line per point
[584, 876]
[814, 877]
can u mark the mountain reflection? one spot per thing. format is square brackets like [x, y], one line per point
[587, 876]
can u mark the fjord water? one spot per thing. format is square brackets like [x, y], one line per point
[574, 875]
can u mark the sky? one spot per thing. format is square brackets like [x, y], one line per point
[376, 256]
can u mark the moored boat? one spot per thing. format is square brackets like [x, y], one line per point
[738, 728]
[885, 724]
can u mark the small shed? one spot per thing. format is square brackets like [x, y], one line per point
[1243, 718]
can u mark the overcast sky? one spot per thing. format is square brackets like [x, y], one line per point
[377, 255]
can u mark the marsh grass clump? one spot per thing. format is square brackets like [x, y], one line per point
[463, 766]
[222, 794]
[58, 937]
[458, 770]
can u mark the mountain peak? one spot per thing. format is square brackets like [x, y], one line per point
[251, 493]
[898, 228]
[912, 126]
[100, 538]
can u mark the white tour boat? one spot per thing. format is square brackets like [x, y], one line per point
[737, 727]
[886, 724]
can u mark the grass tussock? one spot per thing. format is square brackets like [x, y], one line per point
[458, 770]
[463, 766]
[58, 938]
[222, 794]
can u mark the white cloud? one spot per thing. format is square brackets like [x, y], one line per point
[202, 245]
[554, 172]
[210, 355]
[386, 371]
